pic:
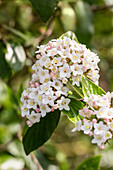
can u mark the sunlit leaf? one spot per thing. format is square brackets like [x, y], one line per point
[88, 87]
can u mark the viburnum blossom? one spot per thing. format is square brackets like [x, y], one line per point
[97, 118]
[59, 61]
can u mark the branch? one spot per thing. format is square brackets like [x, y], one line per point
[95, 8]
[45, 34]
[36, 161]
[31, 154]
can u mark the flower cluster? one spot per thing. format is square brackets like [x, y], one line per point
[97, 118]
[57, 62]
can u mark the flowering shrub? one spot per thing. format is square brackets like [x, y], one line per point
[59, 61]
[65, 78]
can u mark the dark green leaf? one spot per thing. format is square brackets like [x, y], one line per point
[90, 164]
[40, 132]
[5, 69]
[45, 8]
[88, 87]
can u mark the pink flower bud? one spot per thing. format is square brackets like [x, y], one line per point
[37, 110]
[42, 52]
[27, 96]
[30, 82]
[51, 74]
[52, 109]
[84, 120]
[63, 61]
[105, 120]
[36, 84]
[94, 121]
[84, 69]
[38, 56]
[102, 147]
[29, 123]
[37, 72]
[90, 133]
[31, 85]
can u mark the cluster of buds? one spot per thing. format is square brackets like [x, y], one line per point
[96, 118]
[57, 62]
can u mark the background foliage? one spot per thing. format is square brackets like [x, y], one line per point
[23, 26]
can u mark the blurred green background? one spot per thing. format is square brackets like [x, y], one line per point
[21, 30]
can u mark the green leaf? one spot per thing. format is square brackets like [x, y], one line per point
[77, 91]
[75, 105]
[84, 18]
[5, 70]
[40, 132]
[88, 87]
[45, 8]
[90, 164]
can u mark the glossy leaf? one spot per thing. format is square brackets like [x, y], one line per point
[88, 87]
[75, 105]
[39, 133]
[45, 8]
[90, 164]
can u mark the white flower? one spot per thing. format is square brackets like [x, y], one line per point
[42, 60]
[24, 110]
[77, 69]
[87, 127]
[44, 109]
[57, 84]
[44, 77]
[64, 90]
[33, 94]
[39, 97]
[107, 135]
[35, 66]
[102, 112]
[75, 57]
[63, 103]
[45, 87]
[100, 127]
[76, 80]
[65, 71]
[49, 99]
[78, 125]
[34, 117]
[99, 139]
[26, 92]
[57, 61]
[110, 125]
[48, 63]
[35, 77]
[31, 104]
